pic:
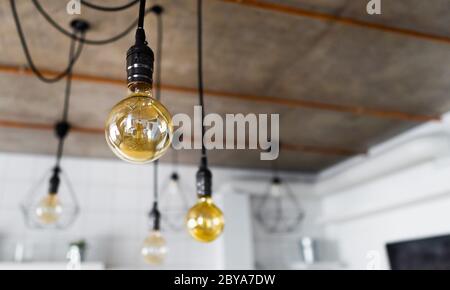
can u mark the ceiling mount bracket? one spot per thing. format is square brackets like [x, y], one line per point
[80, 25]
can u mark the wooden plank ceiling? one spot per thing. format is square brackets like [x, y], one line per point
[340, 79]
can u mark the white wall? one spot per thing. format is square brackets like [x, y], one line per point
[282, 250]
[409, 203]
[115, 198]
[238, 237]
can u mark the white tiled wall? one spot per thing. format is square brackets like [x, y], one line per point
[114, 198]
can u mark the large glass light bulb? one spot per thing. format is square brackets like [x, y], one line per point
[205, 221]
[49, 209]
[139, 128]
[154, 249]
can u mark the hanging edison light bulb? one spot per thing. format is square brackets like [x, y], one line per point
[154, 248]
[139, 128]
[51, 202]
[58, 207]
[49, 210]
[205, 221]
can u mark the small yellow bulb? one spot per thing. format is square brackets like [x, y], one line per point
[154, 248]
[49, 210]
[205, 221]
[139, 128]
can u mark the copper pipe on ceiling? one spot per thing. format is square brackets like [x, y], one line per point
[292, 103]
[334, 151]
[23, 125]
[275, 7]
[46, 127]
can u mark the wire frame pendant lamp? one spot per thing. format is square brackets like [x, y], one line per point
[51, 203]
[175, 199]
[278, 210]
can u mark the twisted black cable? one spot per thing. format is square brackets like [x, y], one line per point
[29, 58]
[109, 8]
[67, 33]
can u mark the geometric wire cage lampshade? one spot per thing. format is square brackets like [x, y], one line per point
[174, 203]
[64, 207]
[51, 202]
[278, 210]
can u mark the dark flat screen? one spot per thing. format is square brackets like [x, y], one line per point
[423, 254]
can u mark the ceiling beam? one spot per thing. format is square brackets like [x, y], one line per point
[275, 7]
[287, 102]
[332, 151]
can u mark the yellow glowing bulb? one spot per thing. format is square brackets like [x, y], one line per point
[154, 249]
[139, 128]
[49, 210]
[205, 221]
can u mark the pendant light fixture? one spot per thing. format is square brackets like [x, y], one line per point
[139, 128]
[278, 210]
[58, 207]
[174, 199]
[154, 248]
[204, 221]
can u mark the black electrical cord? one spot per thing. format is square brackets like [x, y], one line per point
[157, 86]
[157, 82]
[200, 75]
[159, 36]
[141, 14]
[204, 175]
[155, 213]
[175, 161]
[33, 67]
[155, 184]
[68, 89]
[67, 33]
[159, 23]
[274, 165]
[65, 114]
[109, 8]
